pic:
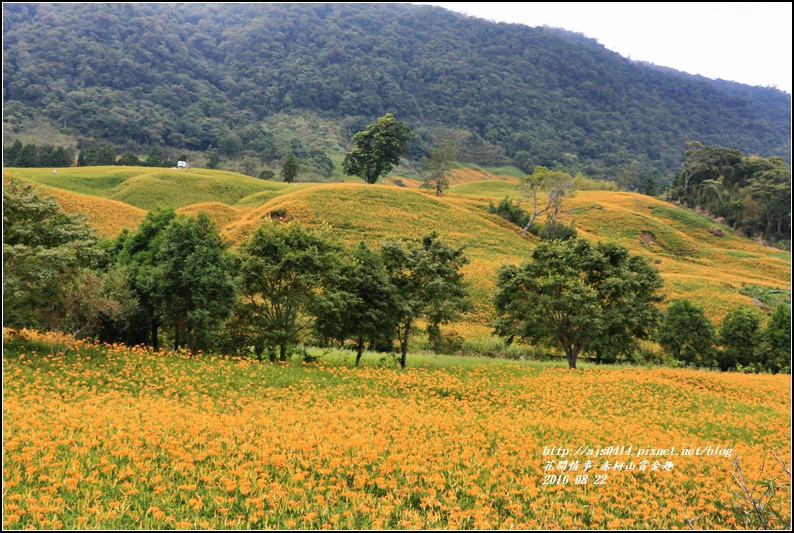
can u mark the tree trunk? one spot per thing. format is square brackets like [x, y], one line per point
[155, 343]
[282, 353]
[360, 350]
[404, 346]
[176, 338]
[571, 354]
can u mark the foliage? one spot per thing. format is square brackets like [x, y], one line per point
[128, 159]
[752, 194]
[378, 149]
[188, 77]
[281, 270]
[429, 284]
[213, 159]
[510, 211]
[137, 256]
[32, 156]
[45, 255]
[554, 230]
[359, 302]
[193, 287]
[289, 172]
[579, 297]
[738, 336]
[774, 350]
[687, 334]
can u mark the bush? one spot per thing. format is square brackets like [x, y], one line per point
[510, 211]
[448, 342]
[774, 350]
[687, 335]
[738, 336]
[554, 231]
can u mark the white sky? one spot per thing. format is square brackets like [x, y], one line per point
[738, 41]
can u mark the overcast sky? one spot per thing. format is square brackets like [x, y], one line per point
[738, 41]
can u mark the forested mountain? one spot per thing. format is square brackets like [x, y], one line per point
[202, 76]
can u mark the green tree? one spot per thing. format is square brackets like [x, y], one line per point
[157, 158]
[378, 149]
[106, 156]
[443, 159]
[266, 174]
[27, 157]
[774, 350]
[10, 153]
[45, 250]
[193, 282]
[137, 258]
[281, 270]
[128, 159]
[289, 172]
[738, 336]
[428, 282]
[578, 296]
[213, 159]
[687, 334]
[359, 302]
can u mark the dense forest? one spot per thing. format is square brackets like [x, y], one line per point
[206, 77]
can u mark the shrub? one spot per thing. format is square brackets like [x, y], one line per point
[687, 335]
[738, 337]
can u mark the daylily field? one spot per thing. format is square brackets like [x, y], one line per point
[120, 438]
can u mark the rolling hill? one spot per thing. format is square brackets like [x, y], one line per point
[713, 270]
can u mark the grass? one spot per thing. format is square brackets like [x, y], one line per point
[118, 438]
[695, 263]
[147, 188]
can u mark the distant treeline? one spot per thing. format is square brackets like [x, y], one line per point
[751, 194]
[33, 156]
[206, 76]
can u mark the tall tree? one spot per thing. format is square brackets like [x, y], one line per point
[378, 149]
[281, 270]
[774, 350]
[27, 157]
[45, 250]
[289, 172]
[739, 335]
[577, 295]
[359, 302]
[137, 258]
[195, 289]
[429, 284]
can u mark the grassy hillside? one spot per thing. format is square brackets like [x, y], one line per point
[124, 438]
[148, 188]
[695, 263]
[713, 271]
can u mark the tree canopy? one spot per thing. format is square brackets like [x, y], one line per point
[44, 252]
[429, 284]
[281, 270]
[578, 296]
[378, 149]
